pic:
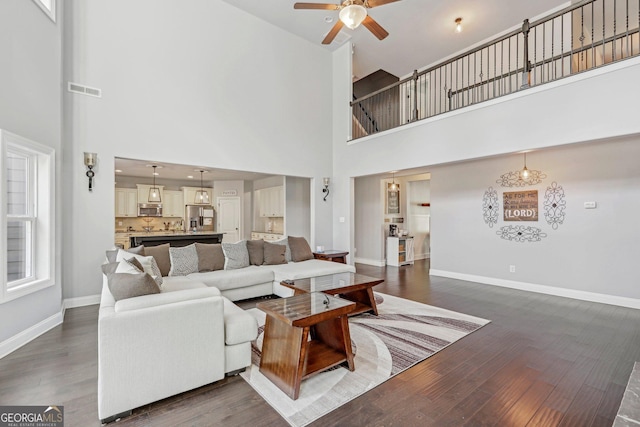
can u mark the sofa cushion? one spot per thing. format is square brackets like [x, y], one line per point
[210, 256]
[161, 254]
[130, 266]
[285, 242]
[128, 285]
[148, 263]
[239, 326]
[109, 267]
[235, 255]
[231, 279]
[180, 283]
[184, 260]
[300, 249]
[309, 268]
[138, 250]
[256, 251]
[274, 254]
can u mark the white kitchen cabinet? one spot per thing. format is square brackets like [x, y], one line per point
[126, 202]
[271, 202]
[189, 194]
[399, 251]
[143, 193]
[173, 204]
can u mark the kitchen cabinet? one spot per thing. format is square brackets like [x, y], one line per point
[271, 202]
[267, 237]
[122, 239]
[400, 251]
[126, 202]
[143, 193]
[173, 204]
[189, 194]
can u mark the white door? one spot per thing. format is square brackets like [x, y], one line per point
[229, 216]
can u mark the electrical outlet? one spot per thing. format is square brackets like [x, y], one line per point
[512, 269]
[119, 223]
[590, 205]
[341, 219]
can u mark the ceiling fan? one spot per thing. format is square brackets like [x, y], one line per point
[352, 14]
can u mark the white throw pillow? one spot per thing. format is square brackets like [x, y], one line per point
[148, 263]
[183, 260]
[236, 255]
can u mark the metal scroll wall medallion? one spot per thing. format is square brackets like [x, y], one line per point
[522, 206]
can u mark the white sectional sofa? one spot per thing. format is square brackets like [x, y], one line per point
[189, 334]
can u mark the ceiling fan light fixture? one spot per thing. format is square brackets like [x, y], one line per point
[353, 14]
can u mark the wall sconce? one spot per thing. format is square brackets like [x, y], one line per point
[325, 181]
[90, 160]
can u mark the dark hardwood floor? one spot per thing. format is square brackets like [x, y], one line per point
[542, 361]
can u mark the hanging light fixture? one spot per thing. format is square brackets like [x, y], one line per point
[394, 186]
[524, 174]
[353, 14]
[154, 192]
[458, 22]
[202, 197]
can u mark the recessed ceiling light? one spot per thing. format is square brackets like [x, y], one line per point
[156, 173]
[118, 171]
[190, 176]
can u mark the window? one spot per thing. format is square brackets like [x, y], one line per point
[28, 210]
[48, 7]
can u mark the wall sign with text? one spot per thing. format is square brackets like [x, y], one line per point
[523, 206]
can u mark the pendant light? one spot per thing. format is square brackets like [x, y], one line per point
[524, 174]
[154, 192]
[202, 197]
[394, 186]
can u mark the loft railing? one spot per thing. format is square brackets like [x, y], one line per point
[581, 37]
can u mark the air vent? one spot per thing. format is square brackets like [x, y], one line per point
[84, 90]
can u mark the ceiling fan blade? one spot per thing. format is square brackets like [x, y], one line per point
[376, 3]
[322, 6]
[333, 33]
[375, 28]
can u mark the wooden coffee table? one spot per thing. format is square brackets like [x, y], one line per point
[351, 286]
[288, 355]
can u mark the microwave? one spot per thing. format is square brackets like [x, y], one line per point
[149, 209]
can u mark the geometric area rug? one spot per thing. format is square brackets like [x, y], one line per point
[404, 333]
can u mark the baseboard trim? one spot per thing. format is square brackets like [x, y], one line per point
[15, 342]
[374, 262]
[82, 301]
[542, 289]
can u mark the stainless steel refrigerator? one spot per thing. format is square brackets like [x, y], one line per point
[199, 218]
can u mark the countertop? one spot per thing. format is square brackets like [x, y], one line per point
[163, 233]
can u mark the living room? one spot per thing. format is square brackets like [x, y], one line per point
[189, 97]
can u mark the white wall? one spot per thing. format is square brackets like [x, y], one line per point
[297, 202]
[593, 251]
[369, 228]
[30, 106]
[196, 82]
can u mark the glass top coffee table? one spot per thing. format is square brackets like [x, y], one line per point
[351, 286]
[304, 335]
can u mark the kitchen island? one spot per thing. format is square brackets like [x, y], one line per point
[176, 239]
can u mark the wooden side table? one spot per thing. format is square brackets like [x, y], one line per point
[332, 255]
[288, 355]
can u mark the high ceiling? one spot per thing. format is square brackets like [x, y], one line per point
[421, 32]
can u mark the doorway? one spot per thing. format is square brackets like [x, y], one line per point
[229, 218]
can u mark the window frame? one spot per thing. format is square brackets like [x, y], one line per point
[50, 12]
[40, 213]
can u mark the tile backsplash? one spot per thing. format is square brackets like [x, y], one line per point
[158, 224]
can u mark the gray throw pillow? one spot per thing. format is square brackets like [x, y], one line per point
[235, 255]
[183, 260]
[125, 285]
[135, 264]
[285, 243]
[300, 249]
[274, 254]
[256, 251]
[210, 257]
[109, 267]
[138, 250]
[161, 254]
[111, 255]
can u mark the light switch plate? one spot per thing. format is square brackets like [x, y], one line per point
[590, 205]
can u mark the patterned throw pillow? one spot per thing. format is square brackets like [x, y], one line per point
[183, 260]
[236, 255]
